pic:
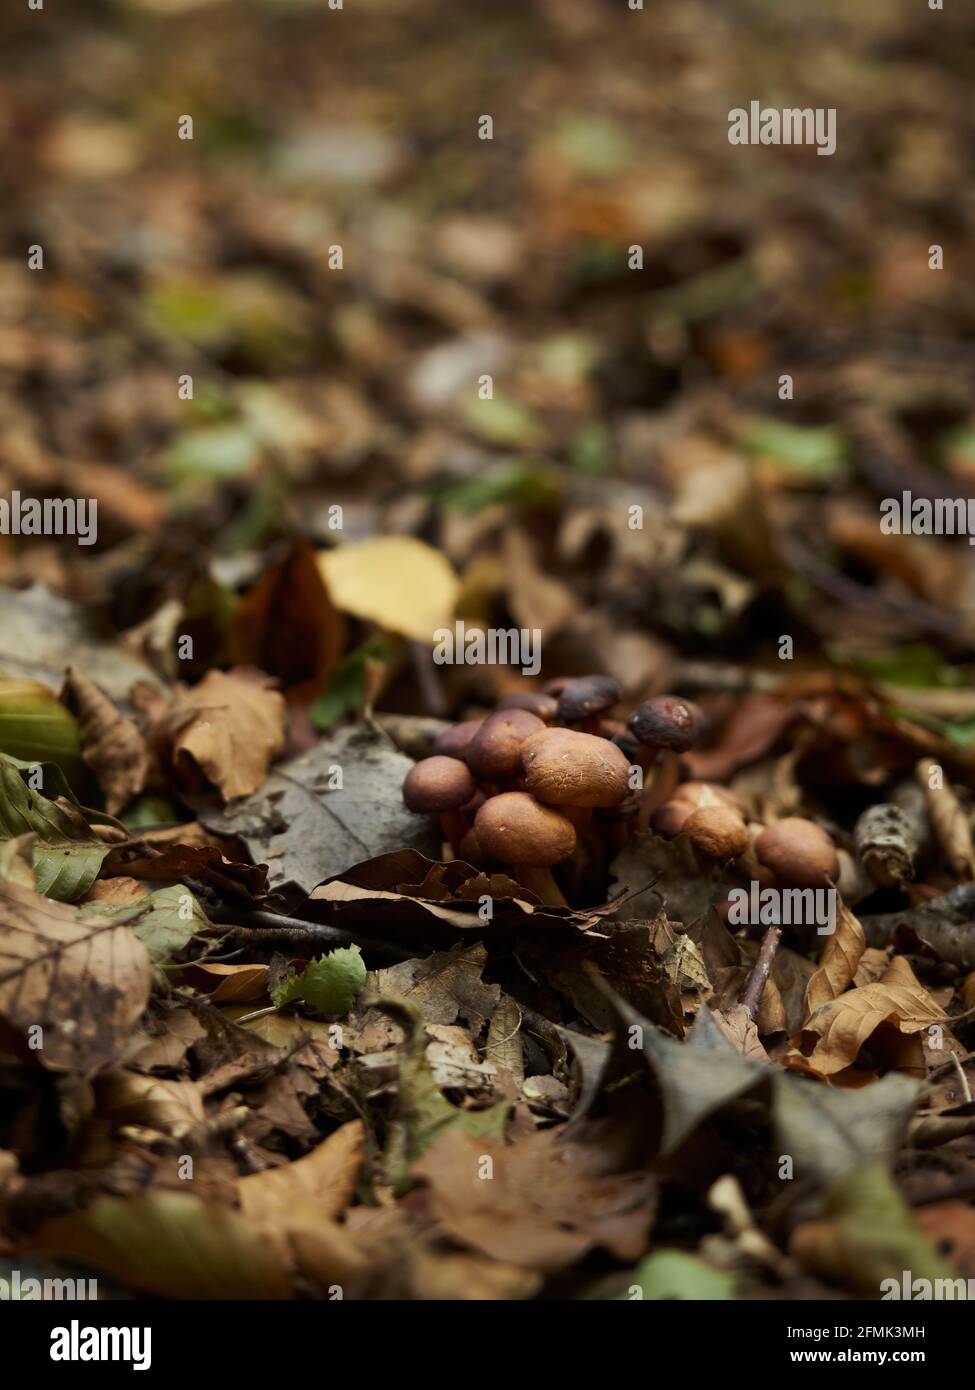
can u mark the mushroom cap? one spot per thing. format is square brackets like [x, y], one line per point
[588, 695]
[668, 721]
[668, 819]
[453, 741]
[557, 684]
[438, 784]
[719, 832]
[697, 794]
[799, 852]
[565, 768]
[516, 829]
[544, 707]
[495, 750]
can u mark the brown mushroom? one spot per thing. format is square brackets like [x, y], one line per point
[441, 786]
[518, 830]
[669, 725]
[799, 852]
[494, 753]
[716, 832]
[586, 700]
[544, 707]
[566, 768]
[453, 742]
[668, 819]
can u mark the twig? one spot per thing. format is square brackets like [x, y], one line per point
[760, 971]
[254, 924]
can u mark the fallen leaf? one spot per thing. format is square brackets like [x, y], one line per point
[324, 1180]
[888, 1015]
[308, 824]
[398, 582]
[111, 744]
[541, 1203]
[230, 727]
[838, 963]
[82, 979]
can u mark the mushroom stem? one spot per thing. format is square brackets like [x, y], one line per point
[660, 788]
[453, 827]
[540, 882]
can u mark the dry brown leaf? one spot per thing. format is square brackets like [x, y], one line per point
[838, 963]
[541, 1203]
[115, 890]
[230, 727]
[111, 744]
[228, 984]
[83, 980]
[949, 820]
[741, 1031]
[324, 1180]
[887, 1015]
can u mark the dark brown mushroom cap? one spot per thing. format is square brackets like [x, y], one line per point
[667, 722]
[557, 684]
[453, 742]
[495, 750]
[668, 819]
[566, 768]
[588, 696]
[544, 707]
[438, 784]
[516, 829]
[799, 852]
[717, 831]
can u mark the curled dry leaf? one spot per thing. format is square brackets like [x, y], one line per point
[323, 1180]
[839, 961]
[948, 817]
[230, 727]
[887, 1016]
[84, 980]
[111, 744]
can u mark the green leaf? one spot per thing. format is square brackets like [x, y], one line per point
[67, 856]
[502, 420]
[36, 727]
[66, 871]
[165, 921]
[817, 454]
[213, 454]
[669, 1274]
[509, 482]
[347, 688]
[328, 985]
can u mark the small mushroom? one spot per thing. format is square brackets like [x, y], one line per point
[544, 707]
[494, 753]
[716, 832]
[669, 725]
[668, 819]
[799, 852]
[453, 742]
[586, 700]
[518, 830]
[566, 768]
[441, 786]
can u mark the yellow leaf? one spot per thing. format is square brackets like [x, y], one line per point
[400, 583]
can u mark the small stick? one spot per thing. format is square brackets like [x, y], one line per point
[253, 924]
[755, 984]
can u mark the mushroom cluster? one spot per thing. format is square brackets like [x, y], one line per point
[548, 780]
